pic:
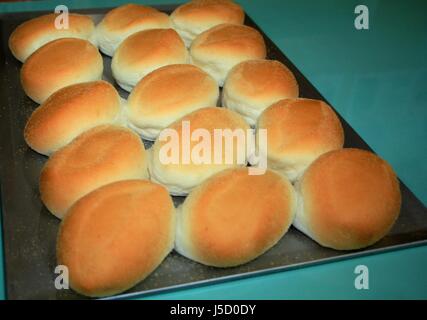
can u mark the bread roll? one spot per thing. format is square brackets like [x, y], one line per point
[95, 158]
[220, 48]
[115, 236]
[181, 164]
[299, 131]
[167, 94]
[194, 17]
[253, 85]
[348, 199]
[35, 33]
[234, 217]
[58, 64]
[123, 21]
[69, 112]
[144, 52]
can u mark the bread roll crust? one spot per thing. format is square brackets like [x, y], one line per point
[145, 51]
[69, 112]
[220, 48]
[299, 131]
[253, 85]
[125, 20]
[128, 16]
[167, 94]
[230, 39]
[33, 34]
[95, 158]
[192, 18]
[58, 64]
[350, 199]
[234, 217]
[115, 236]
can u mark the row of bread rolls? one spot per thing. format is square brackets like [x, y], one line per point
[140, 39]
[189, 20]
[347, 199]
[216, 51]
[116, 235]
[162, 97]
[299, 130]
[180, 179]
[96, 175]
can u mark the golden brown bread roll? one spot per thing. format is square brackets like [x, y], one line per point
[35, 33]
[115, 236]
[253, 85]
[182, 176]
[58, 64]
[95, 158]
[125, 20]
[219, 49]
[69, 112]
[347, 199]
[144, 52]
[234, 217]
[194, 17]
[299, 131]
[167, 94]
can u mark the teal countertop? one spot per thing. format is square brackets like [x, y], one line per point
[376, 79]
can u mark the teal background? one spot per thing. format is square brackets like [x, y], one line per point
[376, 79]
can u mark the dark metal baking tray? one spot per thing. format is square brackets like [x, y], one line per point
[29, 230]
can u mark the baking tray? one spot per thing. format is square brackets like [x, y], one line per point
[29, 230]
